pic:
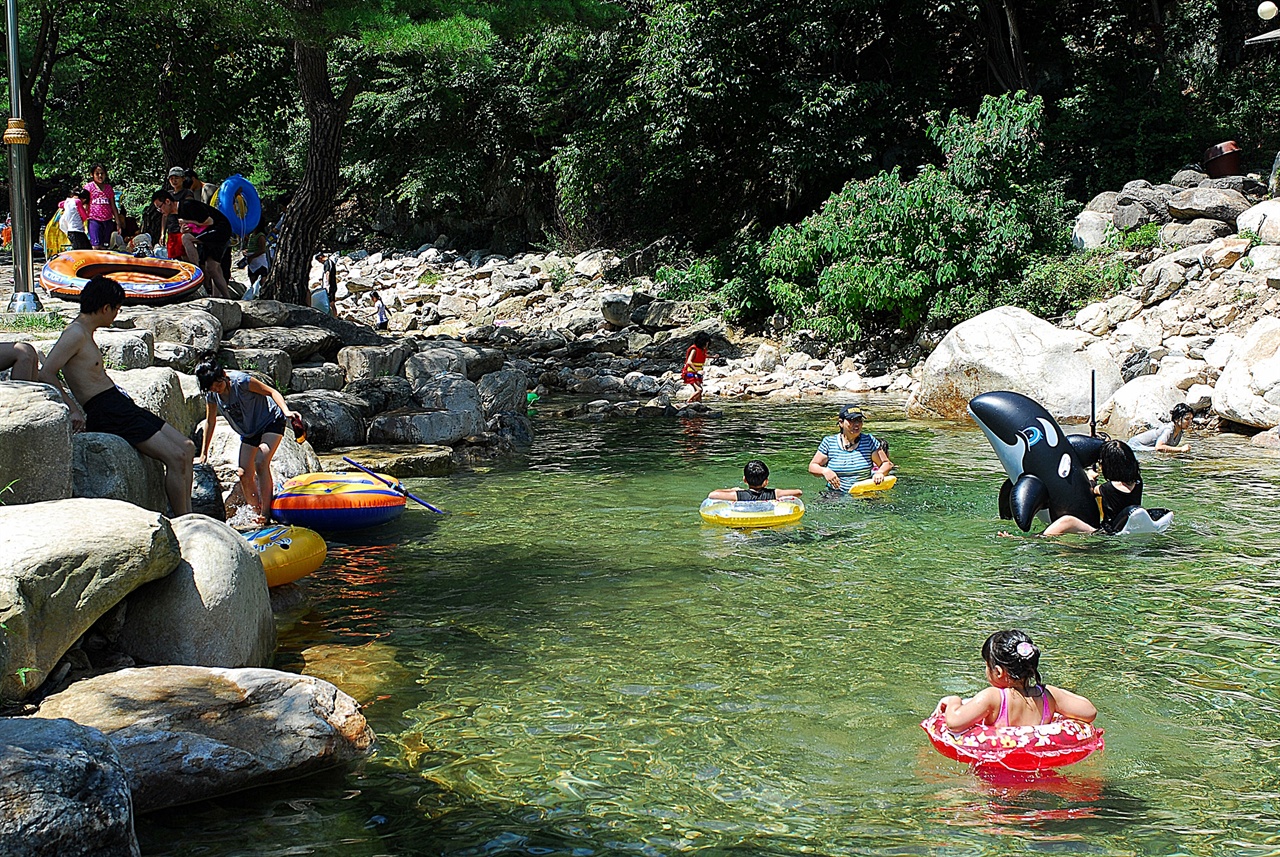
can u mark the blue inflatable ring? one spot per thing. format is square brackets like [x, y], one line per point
[238, 185]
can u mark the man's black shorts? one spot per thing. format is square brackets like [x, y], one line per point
[112, 412]
[213, 245]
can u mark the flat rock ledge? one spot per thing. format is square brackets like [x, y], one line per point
[187, 734]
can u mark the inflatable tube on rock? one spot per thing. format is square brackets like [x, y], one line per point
[1045, 465]
[238, 200]
[288, 553]
[866, 486]
[751, 514]
[1026, 749]
[338, 501]
[145, 280]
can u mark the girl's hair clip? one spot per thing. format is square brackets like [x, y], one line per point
[1025, 650]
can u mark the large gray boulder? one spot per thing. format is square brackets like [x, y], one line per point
[1208, 202]
[347, 332]
[1139, 405]
[229, 313]
[187, 734]
[1248, 391]
[448, 391]
[180, 358]
[105, 466]
[182, 325]
[213, 610]
[63, 792]
[273, 364]
[316, 376]
[447, 355]
[63, 564]
[616, 308]
[378, 395]
[431, 362]
[503, 392]
[361, 362]
[332, 418]
[125, 349]
[159, 390]
[263, 313]
[425, 427]
[1262, 220]
[298, 342]
[1010, 349]
[35, 443]
[1202, 230]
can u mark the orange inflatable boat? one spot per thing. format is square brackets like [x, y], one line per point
[145, 280]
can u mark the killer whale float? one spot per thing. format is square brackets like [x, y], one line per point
[1046, 466]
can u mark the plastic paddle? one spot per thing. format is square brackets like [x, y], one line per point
[392, 485]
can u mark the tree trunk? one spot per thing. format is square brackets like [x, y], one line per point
[179, 149]
[312, 202]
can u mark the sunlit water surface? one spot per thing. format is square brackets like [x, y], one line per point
[572, 663]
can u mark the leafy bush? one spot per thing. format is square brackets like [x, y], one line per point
[944, 245]
[730, 281]
[1054, 286]
[1144, 237]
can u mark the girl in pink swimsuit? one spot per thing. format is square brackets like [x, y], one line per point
[1017, 696]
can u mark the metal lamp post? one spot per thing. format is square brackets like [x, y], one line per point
[16, 138]
[1266, 11]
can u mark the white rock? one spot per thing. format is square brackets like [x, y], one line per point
[1137, 406]
[1263, 220]
[1010, 349]
[1199, 397]
[1248, 391]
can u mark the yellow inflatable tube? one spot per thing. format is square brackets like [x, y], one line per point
[288, 553]
[866, 486]
[750, 514]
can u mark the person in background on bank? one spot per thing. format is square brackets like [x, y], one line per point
[756, 475]
[179, 191]
[695, 357]
[381, 309]
[103, 216]
[75, 210]
[851, 455]
[106, 407]
[256, 260]
[255, 411]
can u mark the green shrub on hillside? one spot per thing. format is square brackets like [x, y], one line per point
[730, 281]
[1054, 286]
[944, 245]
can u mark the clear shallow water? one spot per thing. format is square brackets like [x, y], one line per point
[572, 663]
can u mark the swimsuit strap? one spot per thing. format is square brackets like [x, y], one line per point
[1044, 705]
[1002, 719]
